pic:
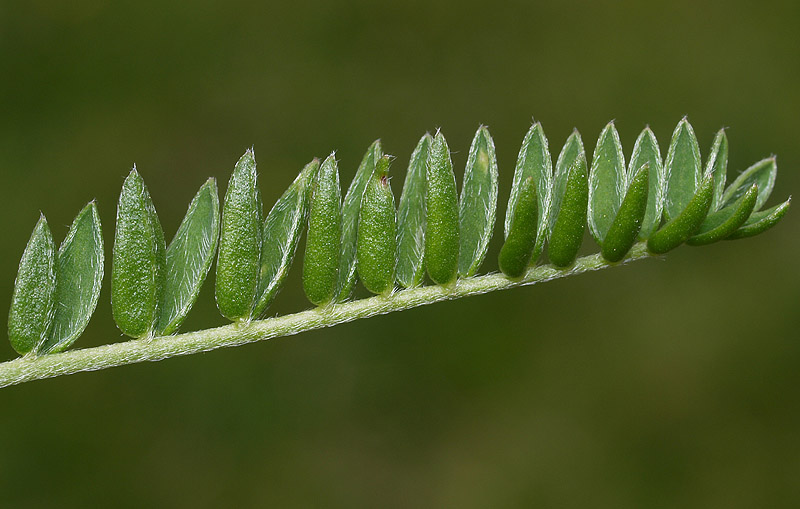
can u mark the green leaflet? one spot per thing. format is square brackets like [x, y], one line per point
[282, 230]
[570, 152]
[321, 263]
[717, 165]
[762, 173]
[533, 161]
[411, 218]
[682, 169]
[623, 231]
[377, 232]
[607, 182]
[32, 303]
[761, 221]
[238, 262]
[722, 223]
[79, 276]
[138, 259]
[441, 237]
[678, 230]
[517, 250]
[570, 223]
[646, 151]
[189, 258]
[478, 203]
[350, 208]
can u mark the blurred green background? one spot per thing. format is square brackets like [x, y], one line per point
[655, 385]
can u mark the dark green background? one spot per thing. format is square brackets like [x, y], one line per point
[670, 384]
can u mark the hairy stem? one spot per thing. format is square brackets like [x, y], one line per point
[30, 367]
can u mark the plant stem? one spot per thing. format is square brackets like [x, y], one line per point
[29, 368]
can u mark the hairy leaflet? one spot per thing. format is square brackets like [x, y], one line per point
[138, 261]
